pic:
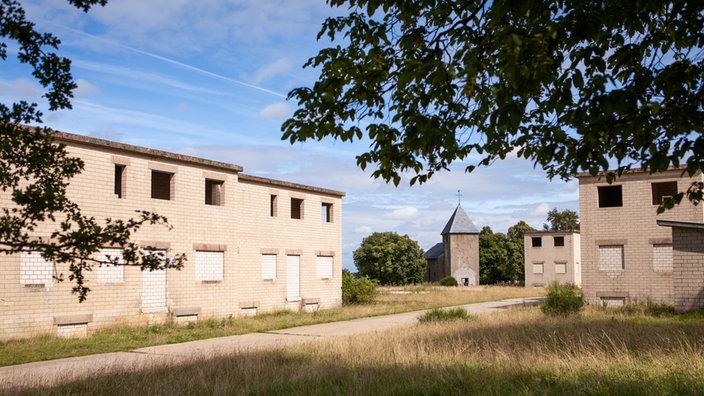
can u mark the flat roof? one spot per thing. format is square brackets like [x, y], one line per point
[681, 224]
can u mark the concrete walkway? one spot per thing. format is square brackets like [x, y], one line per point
[54, 372]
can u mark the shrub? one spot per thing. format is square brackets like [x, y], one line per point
[438, 315]
[564, 299]
[448, 281]
[357, 290]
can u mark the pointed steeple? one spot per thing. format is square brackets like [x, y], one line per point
[459, 223]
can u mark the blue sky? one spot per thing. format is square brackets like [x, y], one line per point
[209, 78]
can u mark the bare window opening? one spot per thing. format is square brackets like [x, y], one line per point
[120, 181]
[296, 208]
[559, 240]
[610, 196]
[161, 185]
[214, 192]
[536, 241]
[272, 206]
[663, 191]
[327, 212]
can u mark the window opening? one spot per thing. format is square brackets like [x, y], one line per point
[296, 208]
[161, 185]
[272, 205]
[559, 241]
[536, 241]
[610, 196]
[663, 191]
[214, 192]
[327, 212]
[120, 181]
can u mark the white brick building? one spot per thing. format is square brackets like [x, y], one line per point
[552, 256]
[253, 245]
[626, 256]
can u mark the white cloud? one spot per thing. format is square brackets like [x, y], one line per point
[275, 111]
[21, 88]
[85, 88]
[541, 210]
[364, 230]
[279, 66]
[407, 213]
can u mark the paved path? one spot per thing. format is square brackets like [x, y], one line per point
[58, 371]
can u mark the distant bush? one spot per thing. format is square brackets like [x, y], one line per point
[438, 315]
[357, 290]
[448, 281]
[562, 299]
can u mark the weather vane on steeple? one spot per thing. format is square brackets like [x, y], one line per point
[459, 195]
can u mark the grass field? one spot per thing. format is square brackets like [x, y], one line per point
[514, 352]
[390, 300]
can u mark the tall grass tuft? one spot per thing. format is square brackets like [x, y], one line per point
[563, 299]
[443, 315]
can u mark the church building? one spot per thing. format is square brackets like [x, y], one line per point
[458, 253]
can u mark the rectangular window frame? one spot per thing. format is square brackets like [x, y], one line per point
[269, 263]
[610, 196]
[214, 192]
[539, 268]
[120, 180]
[558, 241]
[662, 191]
[536, 241]
[327, 212]
[297, 206]
[159, 179]
[273, 205]
[324, 266]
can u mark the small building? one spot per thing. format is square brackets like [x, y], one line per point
[458, 253]
[687, 264]
[252, 244]
[552, 256]
[626, 256]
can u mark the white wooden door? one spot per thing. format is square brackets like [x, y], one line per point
[293, 278]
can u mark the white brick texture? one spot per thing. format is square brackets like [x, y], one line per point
[611, 258]
[324, 267]
[662, 258]
[108, 273]
[209, 266]
[34, 270]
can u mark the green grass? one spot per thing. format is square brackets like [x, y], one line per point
[130, 338]
[443, 315]
[516, 352]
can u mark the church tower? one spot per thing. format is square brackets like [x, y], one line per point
[461, 248]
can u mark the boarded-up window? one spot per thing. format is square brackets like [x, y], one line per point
[662, 258]
[611, 258]
[154, 286]
[35, 271]
[537, 268]
[296, 208]
[111, 273]
[268, 266]
[560, 267]
[324, 267]
[214, 192]
[209, 266]
[663, 191]
[610, 196]
[162, 185]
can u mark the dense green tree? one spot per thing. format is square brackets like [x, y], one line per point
[514, 270]
[566, 220]
[572, 85]
[390, 258]
[492, 256]
[35, 172]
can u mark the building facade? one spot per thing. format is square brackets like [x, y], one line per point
[458, 254]
[687, 263]
[252, 244]
[552, 256]
[626, 256]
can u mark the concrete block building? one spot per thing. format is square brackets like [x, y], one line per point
[552, 256]
[458, 254]
[253, 245]
[687, 264]
[626, 256]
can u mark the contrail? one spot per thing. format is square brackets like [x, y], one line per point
[174, 62]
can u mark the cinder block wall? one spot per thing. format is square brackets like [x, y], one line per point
[688, 275]
[234, 233]
[633, 226]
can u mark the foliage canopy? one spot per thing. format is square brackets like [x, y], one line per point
[390, 258]
[572, 85]
[565, 220]
[35, 171]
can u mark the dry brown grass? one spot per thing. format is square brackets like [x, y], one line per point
[514, 352]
